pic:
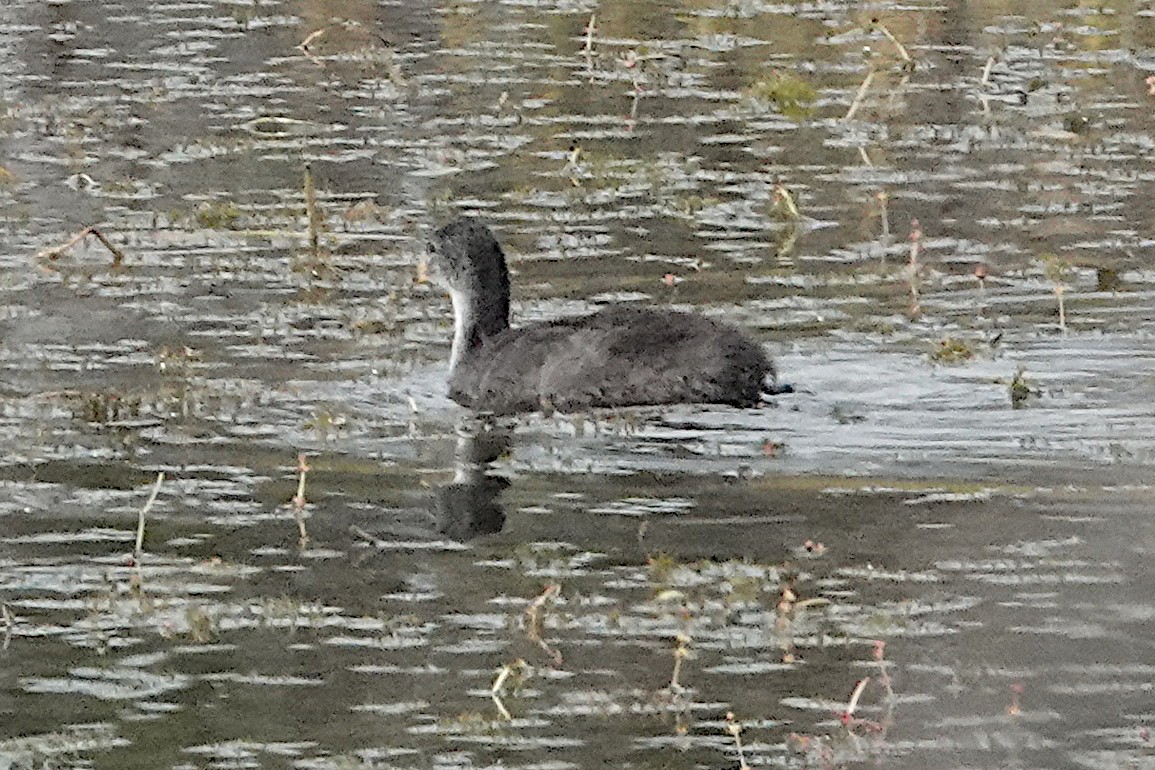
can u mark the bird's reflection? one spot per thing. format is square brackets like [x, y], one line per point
[469, 506]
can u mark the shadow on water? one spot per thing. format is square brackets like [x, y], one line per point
[935, 554]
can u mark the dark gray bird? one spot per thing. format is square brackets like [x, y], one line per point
[621, 355]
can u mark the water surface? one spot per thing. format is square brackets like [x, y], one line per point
[953, 514]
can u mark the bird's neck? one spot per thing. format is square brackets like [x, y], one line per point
[477, 317]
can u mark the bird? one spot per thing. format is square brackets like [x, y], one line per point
[622, 355]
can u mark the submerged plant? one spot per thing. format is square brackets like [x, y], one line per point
[791, 95]
[1021, 389]
[217, 215]
[952, 350]
[782, 204]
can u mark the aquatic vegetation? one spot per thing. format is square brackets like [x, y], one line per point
[217, 215]
[1107, 279]
[661, 567]
[952, 350]
[1021, 389]
[328, 424]
[201, 625]
[782, 204]
[108, 407]
[790, 94]
[860, 738]
[364, 211]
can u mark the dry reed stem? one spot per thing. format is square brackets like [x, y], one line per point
[734, 727]
[9, 621]
[311, 37]
[901, 48]
[915, 249]
[858, 97]
[533, 615]
[852, 706]
[884, 215]
[55, 252]
[498, 687]
[299, 501]
[139, 548]
[681, 652]
[304, 46]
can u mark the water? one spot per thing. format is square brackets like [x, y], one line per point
[583, 590]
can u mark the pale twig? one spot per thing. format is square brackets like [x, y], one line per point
[588, 46]
[858, 97]
[311, 37]
[499, 682]
[734, 727]
[139, 549]
[9, 621]
[498, 688]
[986, 79]
[497, 701]
[681, 652]
[304, 46]
[901, 48]
[852, 706]
[299, 501]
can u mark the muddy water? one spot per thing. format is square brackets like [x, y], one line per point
[952, 516]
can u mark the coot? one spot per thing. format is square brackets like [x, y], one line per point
[622, 355]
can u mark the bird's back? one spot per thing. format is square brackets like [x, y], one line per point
[620, 356]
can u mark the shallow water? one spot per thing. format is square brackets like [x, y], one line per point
[958, 476]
